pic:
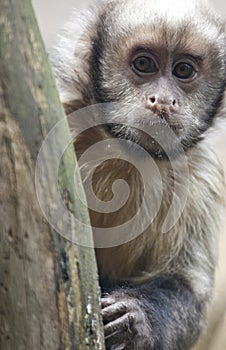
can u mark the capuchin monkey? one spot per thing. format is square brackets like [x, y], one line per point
[164, 65]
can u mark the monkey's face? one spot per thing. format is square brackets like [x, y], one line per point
[169, 72]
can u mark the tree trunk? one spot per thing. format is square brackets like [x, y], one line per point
[49, 294]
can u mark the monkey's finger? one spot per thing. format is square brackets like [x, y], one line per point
[118, 325]
[114, 311]
[107, 301]
[116, 340]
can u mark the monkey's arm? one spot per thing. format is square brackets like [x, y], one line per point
[162, 314]
[167, 312]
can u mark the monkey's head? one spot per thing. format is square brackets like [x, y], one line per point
[165, 61]
[164, 58]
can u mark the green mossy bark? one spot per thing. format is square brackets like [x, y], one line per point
[49, 294]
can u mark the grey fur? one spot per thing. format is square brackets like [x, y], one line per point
[86, 64]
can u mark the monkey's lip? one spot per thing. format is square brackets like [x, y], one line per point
[145, 125]
[177, 128]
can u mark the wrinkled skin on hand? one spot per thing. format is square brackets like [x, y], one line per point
[125, 323]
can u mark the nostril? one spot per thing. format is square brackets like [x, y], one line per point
[153, 99]
[174, 102]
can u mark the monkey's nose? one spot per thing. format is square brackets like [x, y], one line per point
[162, 103]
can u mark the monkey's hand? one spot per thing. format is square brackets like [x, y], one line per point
[164, 313]
[125, 322]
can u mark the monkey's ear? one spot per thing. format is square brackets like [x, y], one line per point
[70, 57]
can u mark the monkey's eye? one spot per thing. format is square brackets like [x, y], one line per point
[184, 71]
[144, 65]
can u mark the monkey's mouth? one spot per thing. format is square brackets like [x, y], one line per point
[159, 139]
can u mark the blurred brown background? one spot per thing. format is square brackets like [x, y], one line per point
[51, 16]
